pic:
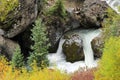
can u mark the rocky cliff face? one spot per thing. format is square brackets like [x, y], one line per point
[16, 23]
[20, 19]
[89, 14]
[81, 14]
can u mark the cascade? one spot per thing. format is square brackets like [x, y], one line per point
[57, 60]
[88, 36]
[114, 4]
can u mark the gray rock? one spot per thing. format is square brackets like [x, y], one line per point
[92, 13]
[97, 45]
[18, 20]
[7, 47]
[73, 48]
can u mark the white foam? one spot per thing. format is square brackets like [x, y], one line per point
[57, 60]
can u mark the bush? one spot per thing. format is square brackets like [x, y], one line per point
[17, 59]
[84, 75]
[58, 10]
[40, 46]
[6, 6]
[112, 24]
[6, 73]
[109, 65]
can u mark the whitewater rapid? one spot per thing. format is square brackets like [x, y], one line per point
[57, 60]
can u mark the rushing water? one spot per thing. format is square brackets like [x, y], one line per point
[88, 36]
[58, 59]
[114, 4]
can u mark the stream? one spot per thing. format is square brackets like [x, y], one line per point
[58, 60]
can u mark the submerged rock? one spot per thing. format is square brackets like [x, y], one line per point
[73, 48]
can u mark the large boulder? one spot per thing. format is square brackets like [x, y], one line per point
[7, 47]
[91, 14]
[19, 19]
[97, 45]
[73, 48]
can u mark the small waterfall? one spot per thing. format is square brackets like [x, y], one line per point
[114, 4]
[58, 56]
[88, 36]
[58, 59]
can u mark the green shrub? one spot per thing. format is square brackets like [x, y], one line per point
[17, 59]
[58, 9]
[112, 24]
[40, 46]
[6, 6]
[109, 65]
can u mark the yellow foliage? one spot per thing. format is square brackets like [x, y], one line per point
[7, 73]
[111, 25]
[6, 6]
[109, 65]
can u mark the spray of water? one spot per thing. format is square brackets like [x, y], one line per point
[58, 59]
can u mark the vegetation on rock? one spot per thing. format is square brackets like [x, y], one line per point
[58, 9]
[72, 49]
[6, 6]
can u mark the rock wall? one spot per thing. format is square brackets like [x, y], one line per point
[89, 14]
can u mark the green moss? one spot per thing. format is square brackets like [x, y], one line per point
[72, 52]
[6, 6]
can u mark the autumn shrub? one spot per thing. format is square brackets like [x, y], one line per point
[6, 6]
[111, 25]
[7, 73]
[109, 64]
[84, 75]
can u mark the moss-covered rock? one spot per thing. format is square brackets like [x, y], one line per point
[97, 45]
[73, 48]
[20, 18]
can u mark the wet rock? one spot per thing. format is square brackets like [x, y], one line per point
[73, 48]
[97, 45]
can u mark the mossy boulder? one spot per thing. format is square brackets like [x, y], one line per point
[97, 45]
[20, 18]
[73, 48]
